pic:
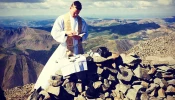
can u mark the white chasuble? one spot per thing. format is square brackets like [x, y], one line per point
[58, 33]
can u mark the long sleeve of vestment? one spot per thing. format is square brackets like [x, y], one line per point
[57, 31]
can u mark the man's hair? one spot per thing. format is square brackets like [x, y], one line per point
[77, 5]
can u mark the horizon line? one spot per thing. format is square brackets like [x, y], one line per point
[96, 17]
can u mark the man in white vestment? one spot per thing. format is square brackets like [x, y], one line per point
[69, 30]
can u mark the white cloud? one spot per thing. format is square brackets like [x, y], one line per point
[49, 4]
[144, 3]
[31, 1]
[90, 7]
[22, 5]
[165, 2]
[55, 4]
[137, 4]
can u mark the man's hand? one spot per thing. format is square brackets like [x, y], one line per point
[74, 35]
[71, 33]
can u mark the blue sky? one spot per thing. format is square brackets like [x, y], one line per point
[91, 8]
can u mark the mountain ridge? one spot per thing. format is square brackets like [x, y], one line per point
[21, 68]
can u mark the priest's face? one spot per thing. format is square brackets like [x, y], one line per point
[74, 12]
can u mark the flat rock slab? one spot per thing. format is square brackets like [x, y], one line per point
[126, 74]
[130, 59]
[161, 93]
[123, 88]
[164, 68]
[54, 90]
[131, 94]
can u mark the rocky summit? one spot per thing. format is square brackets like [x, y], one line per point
[145, 72]
[163, 46]
[117, 77]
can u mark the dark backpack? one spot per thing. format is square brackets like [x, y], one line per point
[104, 52]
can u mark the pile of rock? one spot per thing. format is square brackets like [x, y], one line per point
[161, 46]
[118, 77]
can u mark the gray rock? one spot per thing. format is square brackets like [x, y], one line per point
[98, 59]
[164, 68]
[111, 70]
[131, 94]
[126, 74]
[98, 65]
[99, 70]
[46, 95]
[126, 99]
[117, 88]
[57, 77]
[70, 88]
[153, 93]
[106, 83]
[145, 84]
[67, 77]
[114, 55]
[97, 84]
[144, 96]
[114, 65]
[137, 72]
[157, 81]
[154, 98]
[163, 83]
[121, 95]
[164, 75]
[137, 87]
[96, 99]
[145, 75]
[171, 82]
[152, 70]
[130, 59]
[65, 81]
[54, 90]
[111, 77]
[106, 94]
[152, 87]
[56, 83]
[116, 98]
[124, 88]
[108, 98]
[113, 93]
[104, 88]
[80, 97]
[161, 93]
[170, 97]
[136, 82]
[79, 87]
[102, 96]
[171, 89]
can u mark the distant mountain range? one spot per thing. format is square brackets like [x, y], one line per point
[40, 22]
[26, 38]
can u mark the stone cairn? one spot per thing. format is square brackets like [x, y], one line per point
[118, 77]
